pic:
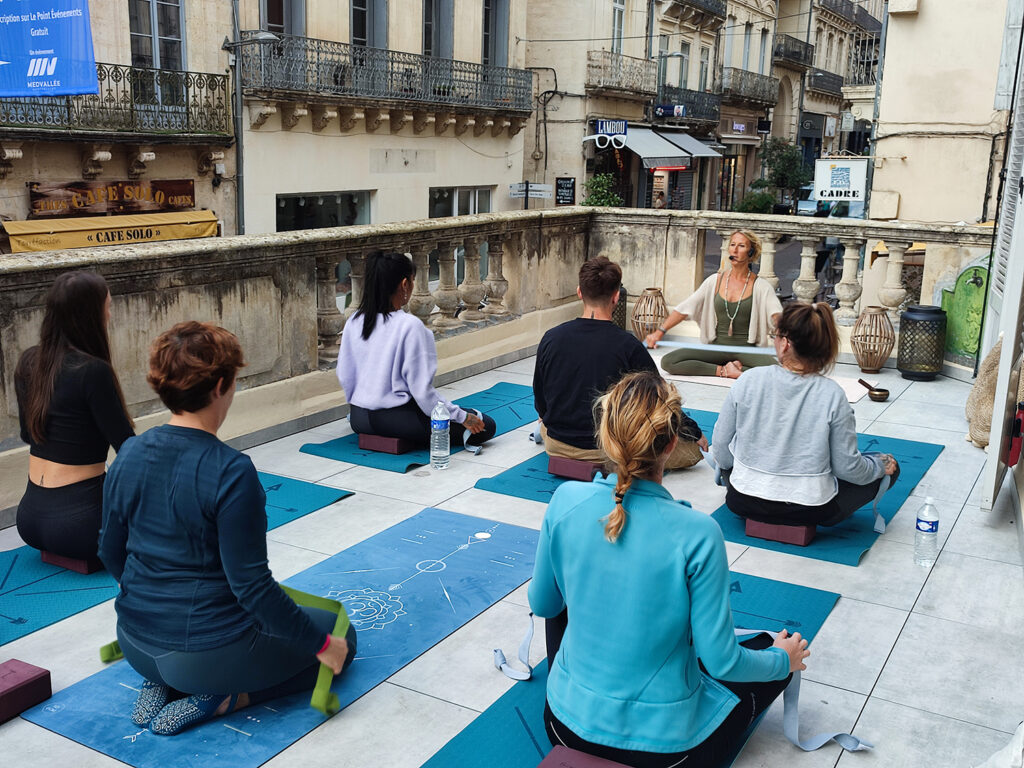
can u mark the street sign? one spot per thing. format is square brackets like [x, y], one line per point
[540, 193]
[529, 189]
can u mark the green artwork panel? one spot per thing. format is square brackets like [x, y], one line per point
[964, 307]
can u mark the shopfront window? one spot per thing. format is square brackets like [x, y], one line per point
[317, 210]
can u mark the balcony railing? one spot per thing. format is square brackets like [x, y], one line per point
[741, 85]
[304, 67]
[608, 71]
[864, 55]
[713, 7]
[844, 8]
[825, 82]
[698, 106]
[864, 20]
[130, 100]
[795, 53]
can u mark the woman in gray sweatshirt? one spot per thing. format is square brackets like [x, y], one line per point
[786, 438]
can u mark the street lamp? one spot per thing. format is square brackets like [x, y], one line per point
[231, 47]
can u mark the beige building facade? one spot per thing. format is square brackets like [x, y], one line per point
[156, 138]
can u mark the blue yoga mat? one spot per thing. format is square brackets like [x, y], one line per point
[847, 542]
[405, 589]
[510, 733]
[34, 595]
[510, 405]
[530, 479]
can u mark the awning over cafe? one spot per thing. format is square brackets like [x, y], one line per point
[83, 232]
[653, 150]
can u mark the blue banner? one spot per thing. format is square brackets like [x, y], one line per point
[46, 48]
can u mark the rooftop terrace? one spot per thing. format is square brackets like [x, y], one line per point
[919, 661]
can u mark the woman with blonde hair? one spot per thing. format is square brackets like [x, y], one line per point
[646, 582]
[733, 308]
[786, 437]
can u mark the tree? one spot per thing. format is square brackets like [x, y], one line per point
[785, 166]
[601, 191]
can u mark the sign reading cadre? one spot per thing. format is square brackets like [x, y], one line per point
[46, 48]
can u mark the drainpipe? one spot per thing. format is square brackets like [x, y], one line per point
[874, 115]
[239, 158]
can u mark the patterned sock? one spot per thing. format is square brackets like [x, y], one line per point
[152, 698]
[184, 713]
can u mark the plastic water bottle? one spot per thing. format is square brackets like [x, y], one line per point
[440, 443]
[926, 537]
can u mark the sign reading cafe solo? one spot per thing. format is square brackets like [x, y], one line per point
[97, 198]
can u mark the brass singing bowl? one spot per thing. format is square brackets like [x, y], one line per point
[878, 395]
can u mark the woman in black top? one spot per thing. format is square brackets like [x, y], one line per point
[71, 411]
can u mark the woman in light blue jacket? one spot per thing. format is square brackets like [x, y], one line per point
[645, 581]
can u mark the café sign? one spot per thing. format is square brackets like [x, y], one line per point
[97, 198]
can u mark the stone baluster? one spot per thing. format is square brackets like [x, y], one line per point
[849, 289]
[329, 321]
[806, 286]
[726, 235]
[497, 285]
[421, 303]
[447, 294]
[356, 276]
[892, 293]
[472, 289]
[767, 269]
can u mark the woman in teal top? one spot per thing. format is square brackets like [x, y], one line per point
[646, 583]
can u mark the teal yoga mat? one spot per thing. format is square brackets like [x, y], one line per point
[510, 405]
[510, 733]
[530, 479]
[34, 595]
[847, 542]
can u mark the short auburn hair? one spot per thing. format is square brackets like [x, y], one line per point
[187, 361]
[600, 278]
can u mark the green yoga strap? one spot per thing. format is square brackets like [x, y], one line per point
[322, 699]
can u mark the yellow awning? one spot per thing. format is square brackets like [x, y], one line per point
[57, 234]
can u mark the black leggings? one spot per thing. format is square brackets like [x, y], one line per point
[754, 698]
[65, 520]
[848, 500]
[408, 422]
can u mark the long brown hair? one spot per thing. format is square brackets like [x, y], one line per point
[812, 332]
[74, 320]
[638, 417]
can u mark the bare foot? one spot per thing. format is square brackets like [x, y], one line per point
[733, 369]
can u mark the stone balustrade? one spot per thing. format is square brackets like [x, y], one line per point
[277, 291]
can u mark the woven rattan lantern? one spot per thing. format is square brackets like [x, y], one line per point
[649, 313]
[922, 342]
[872, 339]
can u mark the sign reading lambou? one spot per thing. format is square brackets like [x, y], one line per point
[46, 48]
[840, 179]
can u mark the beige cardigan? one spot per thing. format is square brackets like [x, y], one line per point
[700, 307]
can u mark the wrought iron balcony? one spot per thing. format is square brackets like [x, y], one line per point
[697, 106]
[629, 76]
[739, 85]
[864, 20]
[825, 82]
[712, 7]
[844, 8]
[131, 100]
[301, 67]
[792, 52]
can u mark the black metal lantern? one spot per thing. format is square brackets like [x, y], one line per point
[619, 313]
[922, 342]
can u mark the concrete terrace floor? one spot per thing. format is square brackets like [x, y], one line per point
[925, 663]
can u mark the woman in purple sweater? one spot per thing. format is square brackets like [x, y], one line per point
[388, 361]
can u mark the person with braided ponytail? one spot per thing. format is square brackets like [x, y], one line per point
[645, 582]
[786, 437]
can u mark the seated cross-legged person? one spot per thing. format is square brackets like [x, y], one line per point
[388, 361]
[786, 437]
[578, 360]
[649, 671]
[199, 614]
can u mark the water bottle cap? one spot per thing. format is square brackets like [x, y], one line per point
[929, 500]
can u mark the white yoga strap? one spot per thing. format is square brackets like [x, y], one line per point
[790, 697]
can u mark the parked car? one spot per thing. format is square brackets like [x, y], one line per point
[806, 204]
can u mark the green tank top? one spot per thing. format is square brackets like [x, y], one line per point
[740, 323]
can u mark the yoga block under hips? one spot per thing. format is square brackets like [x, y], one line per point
[801, 535]
[91, 565]
[563, 757]
[572, 468]
[393, 445]
[21, 686]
